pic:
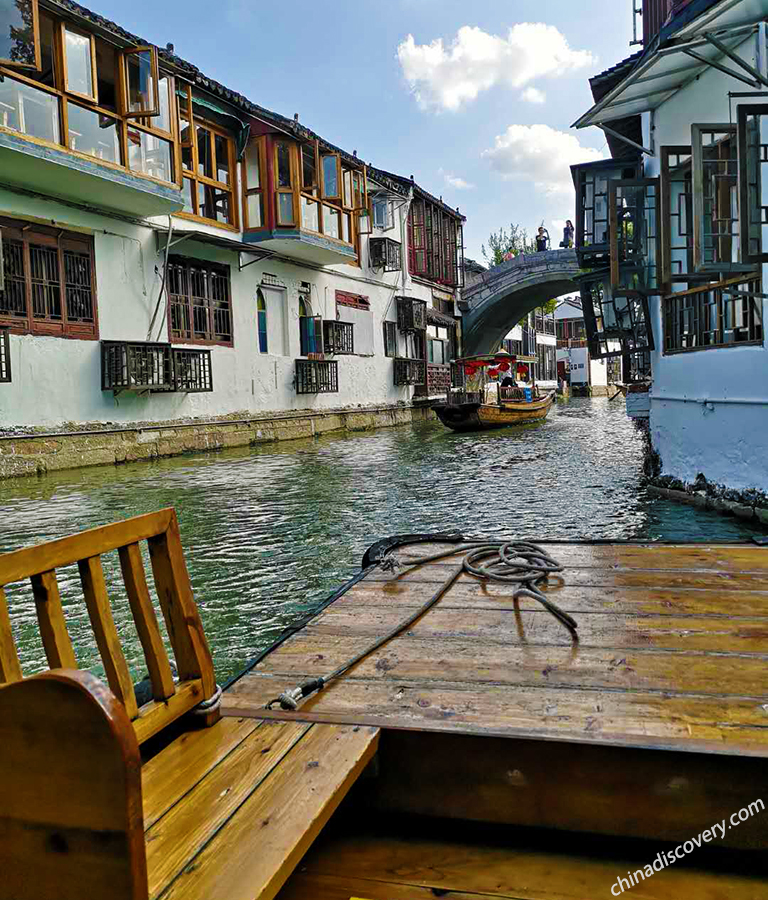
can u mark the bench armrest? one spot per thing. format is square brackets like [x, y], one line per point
[71, 822]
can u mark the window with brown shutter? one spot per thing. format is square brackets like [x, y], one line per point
[199, 302]
[49, 285]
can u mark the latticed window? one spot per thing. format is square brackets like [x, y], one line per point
[434, 243]
[48, 285]
[199, 301]
[390, 339]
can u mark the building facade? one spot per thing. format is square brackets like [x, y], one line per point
[173, 251]
[672, 230]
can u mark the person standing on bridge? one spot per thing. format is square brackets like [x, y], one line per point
[568, 232]
[542, 239]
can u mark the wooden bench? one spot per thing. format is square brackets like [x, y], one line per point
[225, 811]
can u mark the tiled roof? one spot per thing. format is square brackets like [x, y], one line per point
[378, 174]
[618, 71]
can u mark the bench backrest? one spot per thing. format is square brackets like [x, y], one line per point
[196, 679]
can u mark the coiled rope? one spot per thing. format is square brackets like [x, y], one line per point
[508, 562]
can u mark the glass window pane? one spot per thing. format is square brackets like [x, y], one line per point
[185, 137]
[28, 110]
[79, 63]
[106, 68]
[149, 154]
[255, 210]
[252, 170]
[17, 37]
[330, 177]
[189, 193]
[309, 169]
[47, 73]
[163, 121]
[309, 214]
[213, 203]
[349, 197]
[93, 133]
[330, 222]
[204, 160]
[222, 159]
[346, 229]
[141, 81]
[284, 165]
[285, 209]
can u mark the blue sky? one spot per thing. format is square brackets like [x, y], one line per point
[481, 119]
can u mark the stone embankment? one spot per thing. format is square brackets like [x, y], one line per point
[749, 504]
[34, 453]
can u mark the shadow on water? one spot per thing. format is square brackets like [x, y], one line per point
[271, 531]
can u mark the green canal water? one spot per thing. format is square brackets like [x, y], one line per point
[270, 532]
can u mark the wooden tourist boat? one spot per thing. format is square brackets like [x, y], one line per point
[477, 403]
[470, 746]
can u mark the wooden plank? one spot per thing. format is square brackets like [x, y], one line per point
[717, 725]
[612, 791]
[10, 667]
[70, 824]
[418, 867]
[665, 579]
[107, 639]
[634, 601]
[534, 626]
[154, 716]
[20, 564]
[272, 830]
[167, 777]
[147, 627]
[50, 617]
[184, 830]
[182, 618]
[528, 664]
[649, 556]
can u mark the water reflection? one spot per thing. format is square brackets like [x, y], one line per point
[271, 531]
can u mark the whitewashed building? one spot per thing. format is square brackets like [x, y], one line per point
[173, 251]
[674, 230]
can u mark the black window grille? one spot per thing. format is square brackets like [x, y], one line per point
[200, 306]
[617, 320]
[592, 181]
[48, 281]
[317, 376]
[410, 371]
[635, 231]
[390, 339]
[136, 366]
[676, 214]
[5, 356]
[192, 373]
[385, 254]
[714, 315]
[411, 314]
[338, 337]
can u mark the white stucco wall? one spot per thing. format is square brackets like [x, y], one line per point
[709, 408]
[57, 381]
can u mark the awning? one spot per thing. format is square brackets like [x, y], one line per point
[434, 317]
[660, 74]
[243, 129]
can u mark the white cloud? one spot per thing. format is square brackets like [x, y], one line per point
[455, 182]
[533, 95]
[539, 154]
[445, 77]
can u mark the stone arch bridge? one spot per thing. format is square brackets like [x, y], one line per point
[494, 304]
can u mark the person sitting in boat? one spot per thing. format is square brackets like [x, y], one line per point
[508, 381]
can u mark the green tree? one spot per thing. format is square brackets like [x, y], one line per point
[504, 242]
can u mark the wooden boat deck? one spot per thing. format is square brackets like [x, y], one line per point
[672, 652]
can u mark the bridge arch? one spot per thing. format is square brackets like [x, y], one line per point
[498, 301]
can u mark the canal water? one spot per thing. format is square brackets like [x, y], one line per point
[270, 532]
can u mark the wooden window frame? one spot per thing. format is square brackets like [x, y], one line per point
[261, 310]
[744, 111]
[64, 97]
[193, 175]
[10, 64]
[218, 268]
[668, 214]
[440, 243]
[649, 185]
[390, 339]
[293, 189]
[64, 27]
[26, 234]
[333, 199]
[257, 145]
[123, 82]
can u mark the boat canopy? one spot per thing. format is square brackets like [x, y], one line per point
[492, 359]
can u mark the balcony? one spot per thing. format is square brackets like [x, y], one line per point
[386, 254]
[317, 376]
[338, 338]
[144, 367]
[411, 314]
[5, 356]
[410, 372]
